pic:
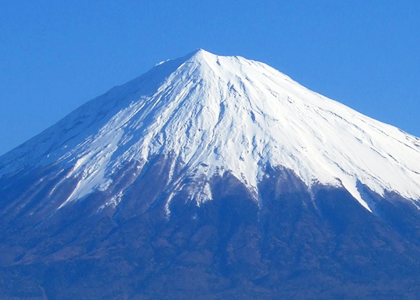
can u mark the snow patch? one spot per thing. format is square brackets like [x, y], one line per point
[227, 114]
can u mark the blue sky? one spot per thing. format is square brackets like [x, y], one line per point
[56, 55]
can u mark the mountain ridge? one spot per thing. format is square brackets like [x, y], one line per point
[243, 115]
[211, 177]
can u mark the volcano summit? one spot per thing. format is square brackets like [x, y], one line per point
[211, 177]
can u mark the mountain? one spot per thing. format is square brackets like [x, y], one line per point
[211, 177]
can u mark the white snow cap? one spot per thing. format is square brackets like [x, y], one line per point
[229, 114]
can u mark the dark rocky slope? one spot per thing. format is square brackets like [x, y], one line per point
[293, 243]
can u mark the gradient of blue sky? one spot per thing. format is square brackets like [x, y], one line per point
[56, 55]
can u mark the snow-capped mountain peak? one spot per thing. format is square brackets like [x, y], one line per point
[214, 114]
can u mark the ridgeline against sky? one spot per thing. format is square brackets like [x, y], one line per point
[211, 177]
[55, 56]
[215, 114]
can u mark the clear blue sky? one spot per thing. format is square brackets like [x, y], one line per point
[56, 55]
